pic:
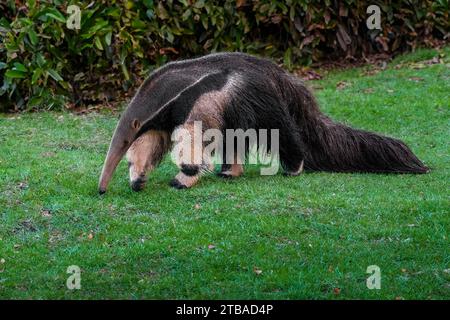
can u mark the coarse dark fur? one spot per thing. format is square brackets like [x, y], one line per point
[259, 95]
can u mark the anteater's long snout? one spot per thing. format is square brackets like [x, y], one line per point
[112, 160]
[122, 139]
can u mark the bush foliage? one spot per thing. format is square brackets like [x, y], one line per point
[44, 64]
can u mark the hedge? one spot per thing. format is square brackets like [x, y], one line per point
[46, 65]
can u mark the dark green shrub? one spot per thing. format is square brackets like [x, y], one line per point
[45, 65]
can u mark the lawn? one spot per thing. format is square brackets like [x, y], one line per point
[264, 237]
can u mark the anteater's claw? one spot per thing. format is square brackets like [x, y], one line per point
[224, 175]
[174, 183]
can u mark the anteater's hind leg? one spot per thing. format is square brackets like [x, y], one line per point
[292, 150]
[231, 170]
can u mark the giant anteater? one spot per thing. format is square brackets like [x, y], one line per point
[236, 90]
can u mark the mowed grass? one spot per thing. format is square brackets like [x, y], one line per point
[312, 236]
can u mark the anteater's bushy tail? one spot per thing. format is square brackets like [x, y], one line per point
[336, 147]
[332, 146]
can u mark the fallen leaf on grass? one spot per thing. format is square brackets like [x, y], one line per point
[307, 74]
[90, 236]
[197, 206]
[257, 271]
[337, 291]
[23, 185]
[48, 154]
[434, 60]
[316, 87]
[370, 72]
[25, 225]
[55, 237]
[46, 213]
[415, 79]
[369, 90]
[417, 66]
[311, 75]
[342, 85]
[211, 246]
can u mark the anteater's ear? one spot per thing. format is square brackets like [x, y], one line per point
[135, 124]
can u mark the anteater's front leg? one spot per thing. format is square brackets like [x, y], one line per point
[190, 157]
[144, 155]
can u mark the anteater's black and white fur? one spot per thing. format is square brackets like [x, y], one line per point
[235, 90]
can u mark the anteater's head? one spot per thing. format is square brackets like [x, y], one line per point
[124, 136]
[129, 128]
[134, 123]
[143, 151]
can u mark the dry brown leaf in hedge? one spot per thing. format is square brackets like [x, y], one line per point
[168, 49]
[240, 3]
[276, 19]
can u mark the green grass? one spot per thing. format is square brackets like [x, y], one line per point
[309, 234]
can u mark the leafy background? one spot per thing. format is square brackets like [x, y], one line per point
[45, 65]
